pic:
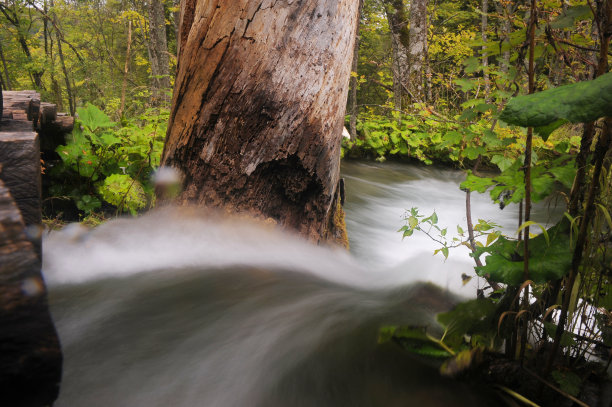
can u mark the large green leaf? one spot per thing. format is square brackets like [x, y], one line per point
[412, 339]
[547, 261]
[475, 183]
[577, 103]
[93, 118]
[467, 318]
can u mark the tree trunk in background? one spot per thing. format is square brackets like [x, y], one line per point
[417, 48]
[354, 84]
[6, 73]
[71, 101]
[398, 25]
[505, 12]
[258, 108]
[485, 57]
[158, 53]
[126, 68]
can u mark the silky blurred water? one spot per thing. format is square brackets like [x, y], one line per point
[377, 196]
[185, 308]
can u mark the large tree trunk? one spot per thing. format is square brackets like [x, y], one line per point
[158, 53]
[258, 108]
[417, 48]
[398, 25]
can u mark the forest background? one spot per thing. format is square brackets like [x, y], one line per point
[428, 82]
[432, 82]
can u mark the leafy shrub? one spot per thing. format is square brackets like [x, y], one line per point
[104, 163]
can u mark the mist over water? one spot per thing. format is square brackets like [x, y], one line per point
[180, 308]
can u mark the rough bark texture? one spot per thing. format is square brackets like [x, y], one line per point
[485, 58]
[259, 104]
[6, 72]
[30, 356]
[20, 160]
[398, 25]
[417, 48]
[158, 52]
[126, 68]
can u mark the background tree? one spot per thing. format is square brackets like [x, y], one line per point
[158, 53]
[417, 48]
[397, 17]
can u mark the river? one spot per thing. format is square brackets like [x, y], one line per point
[177, 308]
[377, 196]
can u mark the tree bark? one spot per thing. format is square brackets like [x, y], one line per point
[158, 53]
[485, 57]
[417, 48]
[13, 18]
[6, 73]
[71, 101]
[398, 25]
[505, 11]
[126, 68]
[258, 108]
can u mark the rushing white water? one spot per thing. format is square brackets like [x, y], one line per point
[180, 308]
[377, 196]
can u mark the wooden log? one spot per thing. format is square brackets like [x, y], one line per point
[48, 113]
[53, 134]
[65, 123]
[30, 355]
[50, 125]
[34, 111]
[20, 116]
[20, 160]
[27, 100]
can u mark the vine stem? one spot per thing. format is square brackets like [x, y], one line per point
[470, 226]
[533, 21]
[603, 18]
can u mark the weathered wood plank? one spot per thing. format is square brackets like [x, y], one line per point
[50, 125]
[20, 161]
[48, 113]
[30, 355]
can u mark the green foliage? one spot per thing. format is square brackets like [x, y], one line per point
[430, 138]
[509, 186]
[414, 339]
[572, 15]
[468, 329]
[471, 319]
[414, 221]
[568, 381]
[550, 257]
[123, 192]
[93, 36]
[577, 103]
[103, 161]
